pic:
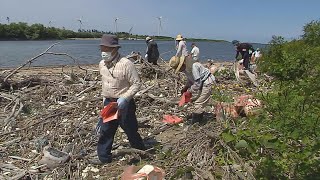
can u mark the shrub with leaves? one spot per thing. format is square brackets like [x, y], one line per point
[285, 139]
[293, 106]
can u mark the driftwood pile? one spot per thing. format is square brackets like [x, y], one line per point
[54, 111]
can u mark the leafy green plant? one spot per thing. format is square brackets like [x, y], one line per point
[284, 138]
[293, 106]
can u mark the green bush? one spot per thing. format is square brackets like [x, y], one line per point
[312, 33]
[293, 107]
[285, 139]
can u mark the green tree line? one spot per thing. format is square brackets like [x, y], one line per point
[23, 31]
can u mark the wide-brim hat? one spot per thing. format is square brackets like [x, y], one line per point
[179, 37]
[109, 40]
[176, 63]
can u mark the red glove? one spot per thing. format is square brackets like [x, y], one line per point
[185, 98]
[188, 96]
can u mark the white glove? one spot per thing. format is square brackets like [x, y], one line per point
[145, 56]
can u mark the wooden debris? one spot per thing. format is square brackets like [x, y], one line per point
[63, 107]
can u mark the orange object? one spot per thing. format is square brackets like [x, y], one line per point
[171, 119]
[185, 98]
[110, 112]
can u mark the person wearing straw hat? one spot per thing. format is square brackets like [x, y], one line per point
[152, 51]
[182, 51]
[199, 80]
[120, 82]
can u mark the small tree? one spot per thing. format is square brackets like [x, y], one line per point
[312, 33]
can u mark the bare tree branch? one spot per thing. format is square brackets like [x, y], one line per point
[28, 62]
[41, 54]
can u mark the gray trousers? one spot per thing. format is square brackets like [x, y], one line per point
[203, 99]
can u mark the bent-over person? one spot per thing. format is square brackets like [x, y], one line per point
[199, 80]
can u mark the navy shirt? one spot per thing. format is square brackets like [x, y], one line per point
[244, 48]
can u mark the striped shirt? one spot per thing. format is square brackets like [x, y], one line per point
[119, 79]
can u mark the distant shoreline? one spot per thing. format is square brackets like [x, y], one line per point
[190, 39]
[82, 39]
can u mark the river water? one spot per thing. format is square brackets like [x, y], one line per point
[14, 53]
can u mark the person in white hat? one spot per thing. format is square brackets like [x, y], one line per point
[199, 80]
[152, 54]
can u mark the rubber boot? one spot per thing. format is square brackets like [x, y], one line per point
[200, 117]
[196, 117]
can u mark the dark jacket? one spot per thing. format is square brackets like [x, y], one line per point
[153, 52]
[244, 48]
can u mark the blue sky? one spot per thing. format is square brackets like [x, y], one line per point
[245, 20]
